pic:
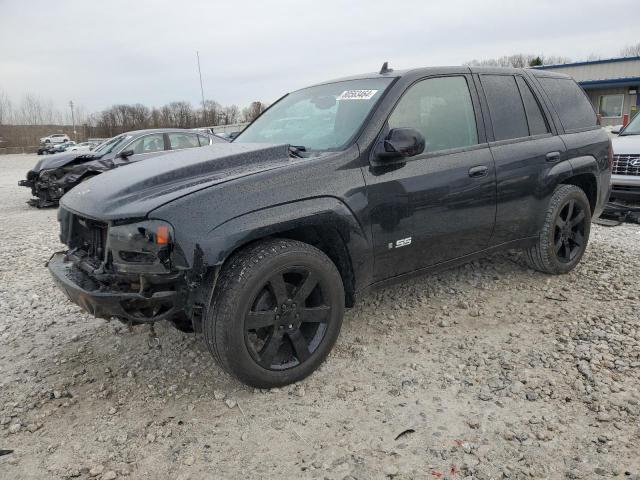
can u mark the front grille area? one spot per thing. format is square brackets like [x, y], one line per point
[90, 236]
[622, 165]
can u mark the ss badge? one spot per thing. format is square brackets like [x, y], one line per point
[403, 242]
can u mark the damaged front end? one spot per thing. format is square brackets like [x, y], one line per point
[47, 186]
[50, 184]
[133, 271]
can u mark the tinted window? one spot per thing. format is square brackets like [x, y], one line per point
[570, 102]
[535, 117]
[505, 107]
[441, 109]
[204, 140]
[183, 140]
[148, 144]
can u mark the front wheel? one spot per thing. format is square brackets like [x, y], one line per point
[276, 312]
[565, 233]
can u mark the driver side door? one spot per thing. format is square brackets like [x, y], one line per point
[438, 205]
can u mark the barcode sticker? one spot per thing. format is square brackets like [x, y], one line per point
[357, 94]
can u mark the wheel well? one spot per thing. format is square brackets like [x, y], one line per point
[587, 182]
[327, 239]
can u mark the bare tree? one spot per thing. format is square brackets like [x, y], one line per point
[631, 50]
[253, 111]
[6, 108]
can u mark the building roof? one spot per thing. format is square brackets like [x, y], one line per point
[589, 62]
[609, 72]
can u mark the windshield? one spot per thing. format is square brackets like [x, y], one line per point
[634, 127]
[324, 117]
[109, 145]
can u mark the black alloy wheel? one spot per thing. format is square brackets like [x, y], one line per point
[569, 237]
[288, 319]
[275, 312]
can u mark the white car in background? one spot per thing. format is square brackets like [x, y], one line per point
[625, 174]
[55, 138]
[81, 147]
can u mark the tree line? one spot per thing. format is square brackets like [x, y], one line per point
[33, 110]
[523, 60]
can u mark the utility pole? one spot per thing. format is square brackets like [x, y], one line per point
[204, 111]
[73, 120]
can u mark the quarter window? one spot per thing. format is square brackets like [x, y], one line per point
[441, 109]
[148, 144]
[610, 105]
[570, 102]
[183, 140]
[505, 107]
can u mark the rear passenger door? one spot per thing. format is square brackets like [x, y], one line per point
[524, 149]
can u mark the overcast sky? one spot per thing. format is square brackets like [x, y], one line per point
[98, 53]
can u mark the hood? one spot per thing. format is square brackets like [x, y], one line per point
[61, 159]
[133, 191]
[626, 145]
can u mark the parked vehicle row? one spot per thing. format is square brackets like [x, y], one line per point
[53, 176]
[337, 188]
[625, 178]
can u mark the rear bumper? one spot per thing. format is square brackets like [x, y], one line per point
[103, 300]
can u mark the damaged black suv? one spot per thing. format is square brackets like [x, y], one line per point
[55, 175]
[261, 243]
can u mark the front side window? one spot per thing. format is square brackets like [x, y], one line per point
[324, 117]
[441, 109]
[148, 144]
[180, 141]
[610, 105]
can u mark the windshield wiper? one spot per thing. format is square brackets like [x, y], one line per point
[295, 150]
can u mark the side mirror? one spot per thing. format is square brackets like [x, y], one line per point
[126, 153]
[399, 144]
[616, 129]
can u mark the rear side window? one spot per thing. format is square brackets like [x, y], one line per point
[535, 117]
[505, 107]
[570, 102]
[183, 140]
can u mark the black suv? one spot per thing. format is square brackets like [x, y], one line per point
[261, 243]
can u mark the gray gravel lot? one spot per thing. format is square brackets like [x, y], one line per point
[487, 371]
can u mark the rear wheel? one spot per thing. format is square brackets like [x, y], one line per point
[276, 312]
[565, 233]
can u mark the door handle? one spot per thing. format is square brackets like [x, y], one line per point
[479, 171]
[553, 156]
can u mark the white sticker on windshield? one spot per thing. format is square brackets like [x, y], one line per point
[357, 94]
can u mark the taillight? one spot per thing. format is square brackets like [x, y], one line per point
[610, 155]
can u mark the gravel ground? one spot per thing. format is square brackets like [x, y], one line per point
[486, 371]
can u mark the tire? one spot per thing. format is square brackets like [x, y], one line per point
[292, 294]
[564, 236]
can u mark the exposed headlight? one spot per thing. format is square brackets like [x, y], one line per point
[145, 243]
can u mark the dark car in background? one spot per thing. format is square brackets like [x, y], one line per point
[337, 188]
[53, 176]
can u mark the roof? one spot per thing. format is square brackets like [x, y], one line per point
[425, 71]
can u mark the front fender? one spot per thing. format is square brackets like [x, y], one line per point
[320, 212]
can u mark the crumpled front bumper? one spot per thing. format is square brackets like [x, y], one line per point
[103, 301]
